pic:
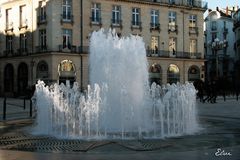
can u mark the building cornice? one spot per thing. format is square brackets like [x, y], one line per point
[163, 4]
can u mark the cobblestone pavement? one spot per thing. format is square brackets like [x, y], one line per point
[218, 139]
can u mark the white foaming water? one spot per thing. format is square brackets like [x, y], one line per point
[119, 104]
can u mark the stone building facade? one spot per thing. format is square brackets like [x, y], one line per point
[49, 39]
[236, 29]
[219, 44]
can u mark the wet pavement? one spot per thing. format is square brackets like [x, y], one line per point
[218, 139]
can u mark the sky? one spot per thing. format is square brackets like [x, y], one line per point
[222, 3]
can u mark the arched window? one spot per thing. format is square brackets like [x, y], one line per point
[42, 70]
[22, 78]
[155, 74]
[67, 71]
[193, 74]
[8, 78]
[173, 74]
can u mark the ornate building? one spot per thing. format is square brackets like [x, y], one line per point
[49, 39]
[236, 30]
[219, 46]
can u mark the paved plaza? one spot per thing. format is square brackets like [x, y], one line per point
[218, 139]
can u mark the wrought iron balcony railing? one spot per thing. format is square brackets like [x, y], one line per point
[225, 30]
[193, 30]
[67, 18]
[136, 25]
[8, 53]
[69, 48]
[176, 54]
[23, 24]
[155, 26]
[9, 26]
[22, 51]
[40, 49]
[172, 28]
[42, 19]
[116, 23]
[95, 21]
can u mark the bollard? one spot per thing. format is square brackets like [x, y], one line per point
[24, 103]
[30, 108]
[4, 108]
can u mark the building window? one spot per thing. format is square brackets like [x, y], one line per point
[172, 46]
[67, 72]
[173, 74]
[214, 25]
[193, 47]
[9, 78]
[154, 44]
[116, 15]
[154, 19]
[171, 1]
[193, 74]
[172, 21]
[9, 43]
[96, 13]
[9, 23]
[42, 39]
[67, 10]
[214, 36]
[192, 21]
[136, 16]
[67, 39]
[42, 70]
[155, 74]
[23, 16]
[42, 12]
[23, 42]
[190, 2]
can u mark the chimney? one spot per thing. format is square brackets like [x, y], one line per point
[217, 9]
[227, 11]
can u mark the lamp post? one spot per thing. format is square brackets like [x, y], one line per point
[217, 45]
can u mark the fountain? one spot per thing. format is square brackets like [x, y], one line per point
[119, 104]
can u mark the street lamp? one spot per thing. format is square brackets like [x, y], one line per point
[217, 45]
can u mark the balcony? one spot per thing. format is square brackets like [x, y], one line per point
[66, 18]
[236, 25]
[225, 30]
[172, 28]
[70, 48]
[42, 19]
[193, 30]
[23, 24]
[172, 2]
[83, 49]
[9, 27]
[238, 43]
[41, 49]
[214, 29]
[155, 27]
[136, 25]
[8, 53]
[205, 45]
[116, 23]
[97, 21]
[22, 52]
[168, 54]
